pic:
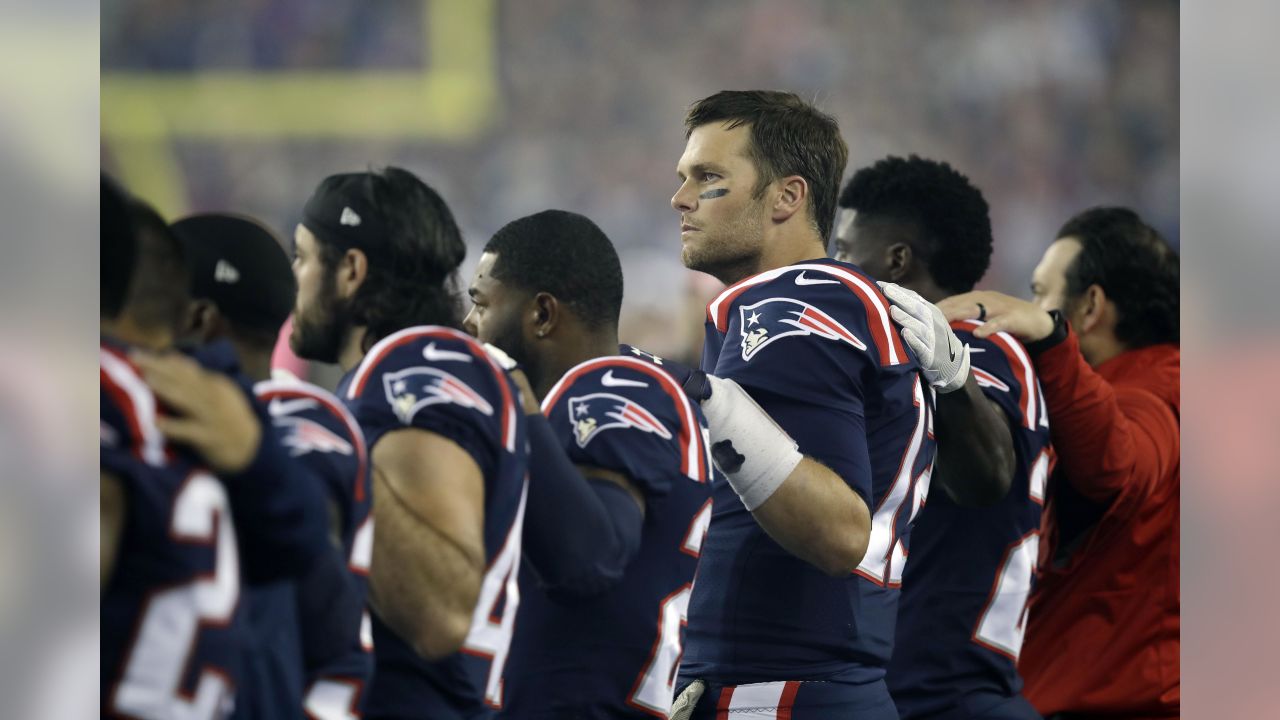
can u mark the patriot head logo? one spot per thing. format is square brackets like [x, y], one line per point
[302, 436]
[414, 388]
[590, 414]
[775, 318]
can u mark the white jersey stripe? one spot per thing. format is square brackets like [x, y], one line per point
[143, 404]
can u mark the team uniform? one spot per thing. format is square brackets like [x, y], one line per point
[769, 633]
[964, 595]
[173, 624]
[439, 380]
[336, 662]
[614, 654]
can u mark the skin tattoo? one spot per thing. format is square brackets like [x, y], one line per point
[713, 194]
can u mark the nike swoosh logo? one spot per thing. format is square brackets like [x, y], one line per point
[802, 280]
[610, 381]
[280, 406]
[433, 354]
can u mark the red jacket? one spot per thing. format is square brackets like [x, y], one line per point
[1103, 620]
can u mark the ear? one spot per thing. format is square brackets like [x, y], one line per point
[793, 194]
[352, 270]
[544, 314]
[201, 322]
[1092, 308]
[898, 257]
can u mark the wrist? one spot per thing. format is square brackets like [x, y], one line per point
[1056, 334]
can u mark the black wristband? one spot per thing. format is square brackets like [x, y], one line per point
[1058, 334]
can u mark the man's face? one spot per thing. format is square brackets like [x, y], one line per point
[496, 311]
[722, 225]
[321, 319]
[864, 242]
[1049, 279]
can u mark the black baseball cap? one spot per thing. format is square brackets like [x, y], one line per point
[241, 266]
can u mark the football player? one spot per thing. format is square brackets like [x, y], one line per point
[620, 486]
[923, 226]
[305, 648]
[375, 259]
[793, 612]
[172, 621]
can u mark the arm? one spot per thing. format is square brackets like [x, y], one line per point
[590, 554]
[428, 551]
[280, 514]
[1106, 437]
[976, 460]
[815, 516]
[803, 505]
[111, 508]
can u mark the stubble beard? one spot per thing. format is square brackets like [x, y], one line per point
[730, 253]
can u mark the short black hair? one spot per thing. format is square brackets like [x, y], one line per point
[1136, 268]
[788, 137]
[952, 217]
[411, 279]
[160, 287]
[566, 255]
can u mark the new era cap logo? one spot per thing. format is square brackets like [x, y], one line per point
[349, 217]
[225, 272]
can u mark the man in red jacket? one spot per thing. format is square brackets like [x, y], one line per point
[1103, 620]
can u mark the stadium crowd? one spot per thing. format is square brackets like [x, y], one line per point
[879, 493]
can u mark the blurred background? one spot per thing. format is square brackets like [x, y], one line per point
[508, 108]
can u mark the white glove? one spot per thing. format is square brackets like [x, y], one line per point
[682, 708]
[944, 360]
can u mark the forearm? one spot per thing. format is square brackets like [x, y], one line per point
[1093, 439]
[818, 518]
[590, 554]
[421, 583]
[111, 509]
[975, 461]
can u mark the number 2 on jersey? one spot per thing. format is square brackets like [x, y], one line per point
[655, 687]
[171, 621]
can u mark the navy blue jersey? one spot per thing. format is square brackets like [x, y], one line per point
[965, 592]
[614, 654]
[319, 432]
[813, 344]
[442, 381]
[171, 612]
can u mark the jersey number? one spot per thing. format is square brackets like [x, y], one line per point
[490, 636]
[1004, 620]
[886, 555]
[655, 688]
[171, 620]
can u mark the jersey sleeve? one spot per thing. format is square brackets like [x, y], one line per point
[1003, 370]
[441, 381]
[319, 432]
[811, 345]
[626, 416]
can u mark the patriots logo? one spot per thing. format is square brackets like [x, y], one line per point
[590, 414]
[774, 318]
[412, 389]
[302, 436]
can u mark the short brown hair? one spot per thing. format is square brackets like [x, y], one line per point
[788, 137]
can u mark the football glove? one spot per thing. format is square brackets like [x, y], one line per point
[944, 360]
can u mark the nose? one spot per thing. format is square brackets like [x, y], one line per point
[686, 199]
